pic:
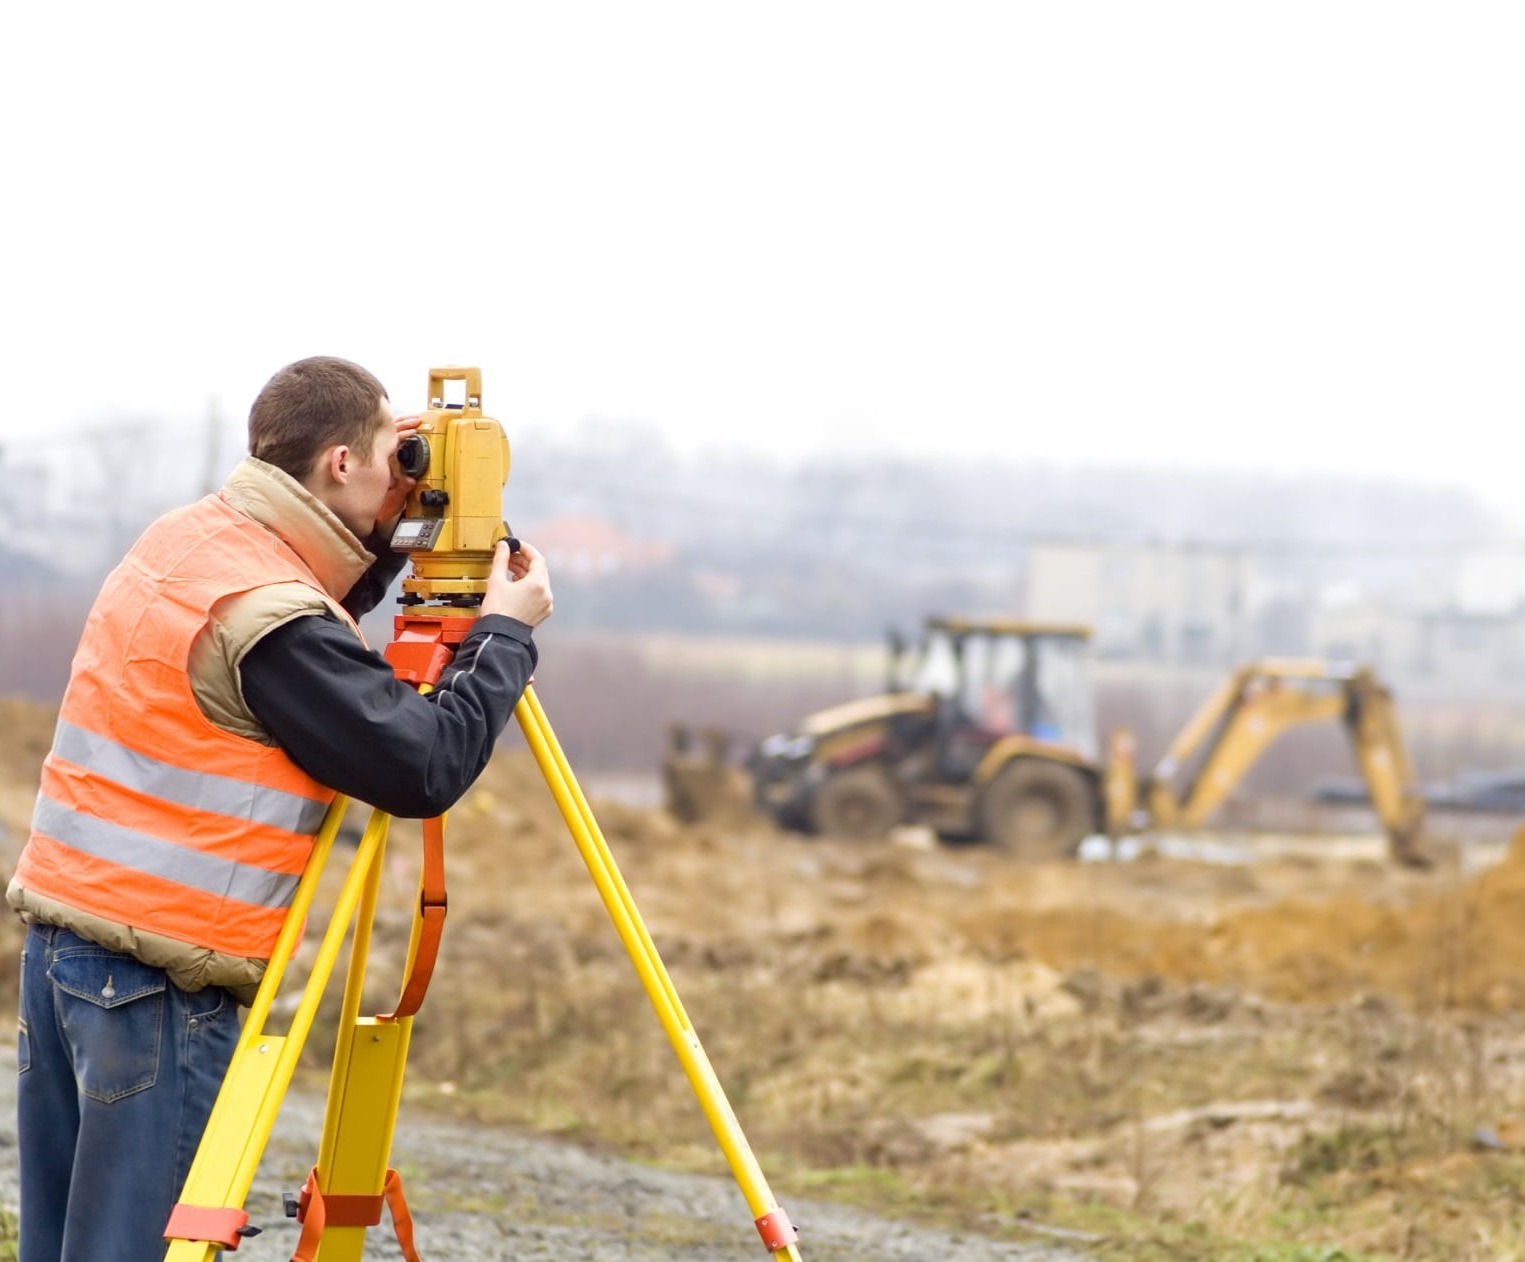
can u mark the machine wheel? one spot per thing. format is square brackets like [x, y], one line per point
[1038, 810]
[860, 803]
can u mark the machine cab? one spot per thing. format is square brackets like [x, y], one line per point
[997, 679]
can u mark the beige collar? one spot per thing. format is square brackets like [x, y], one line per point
[288, 509]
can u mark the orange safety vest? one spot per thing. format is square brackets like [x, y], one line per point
[150, 815]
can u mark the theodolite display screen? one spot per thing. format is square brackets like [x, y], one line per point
[416, 533]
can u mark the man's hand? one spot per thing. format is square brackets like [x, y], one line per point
[402, 484]
[518, 585]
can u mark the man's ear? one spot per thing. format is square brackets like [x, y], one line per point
[337, 464]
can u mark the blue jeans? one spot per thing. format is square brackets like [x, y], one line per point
[119, 1070]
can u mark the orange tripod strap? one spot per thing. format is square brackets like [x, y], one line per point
[419, 654]
[318, 1212]
[431, 914]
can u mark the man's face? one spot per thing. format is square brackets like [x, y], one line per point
[358, 501]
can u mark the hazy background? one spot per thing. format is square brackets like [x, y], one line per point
[831, 310]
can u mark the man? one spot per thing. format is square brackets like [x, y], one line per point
[220, 695]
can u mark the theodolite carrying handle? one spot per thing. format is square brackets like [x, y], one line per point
[471, 376]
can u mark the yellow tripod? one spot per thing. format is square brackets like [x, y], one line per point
[351, 1179]
[458, 459]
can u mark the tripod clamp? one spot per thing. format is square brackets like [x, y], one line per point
[423, 644]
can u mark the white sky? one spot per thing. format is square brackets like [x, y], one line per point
[1288, 236]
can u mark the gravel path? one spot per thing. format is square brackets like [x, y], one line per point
[480, 1194]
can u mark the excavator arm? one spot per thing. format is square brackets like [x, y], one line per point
[1252, 709]
[1373, 724]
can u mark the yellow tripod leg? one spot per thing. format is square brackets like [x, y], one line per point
[365, 1090]
[365, 1087]
[772, 1223]
[262, 1065]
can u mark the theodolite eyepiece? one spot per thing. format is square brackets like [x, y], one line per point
[413, 455]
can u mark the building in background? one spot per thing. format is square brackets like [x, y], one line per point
[1211, 607]
[1178, 604]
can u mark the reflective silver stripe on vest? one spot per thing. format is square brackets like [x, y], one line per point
[195, 869]
[220, 795]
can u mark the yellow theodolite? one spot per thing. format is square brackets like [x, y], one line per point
[454, 515]
[450, 525]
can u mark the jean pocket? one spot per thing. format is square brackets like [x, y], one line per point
[211, 1018]
[112, 1008]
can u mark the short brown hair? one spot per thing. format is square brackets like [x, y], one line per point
[312, 405]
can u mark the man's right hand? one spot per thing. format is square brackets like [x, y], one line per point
[519, 584]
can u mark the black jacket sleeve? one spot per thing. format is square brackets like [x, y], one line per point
[339, 711]
[372, 587]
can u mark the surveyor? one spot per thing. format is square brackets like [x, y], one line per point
[220, 696]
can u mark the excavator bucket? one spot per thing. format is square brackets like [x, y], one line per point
[699, 781]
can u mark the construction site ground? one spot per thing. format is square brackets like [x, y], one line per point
[1281, 1048]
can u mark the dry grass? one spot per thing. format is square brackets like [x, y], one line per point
[1304, 1059]
[1173, 1060]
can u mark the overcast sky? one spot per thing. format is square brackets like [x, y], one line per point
[1287, 236]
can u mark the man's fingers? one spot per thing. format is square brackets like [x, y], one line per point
[522, 559]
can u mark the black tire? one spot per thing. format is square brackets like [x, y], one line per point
[860, 804]
[1038, 810]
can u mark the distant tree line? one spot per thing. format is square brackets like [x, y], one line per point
[842, 546]
[845, 546]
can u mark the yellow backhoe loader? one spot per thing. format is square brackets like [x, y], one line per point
[990, 733]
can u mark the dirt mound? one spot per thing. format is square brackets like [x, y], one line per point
[1287, 929]
[1450, 942]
